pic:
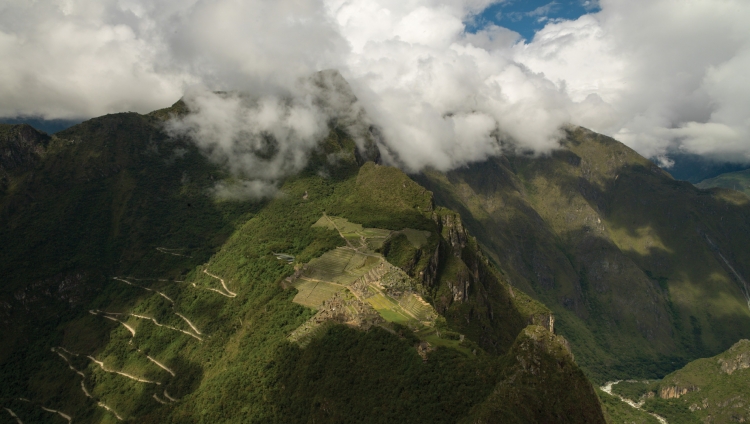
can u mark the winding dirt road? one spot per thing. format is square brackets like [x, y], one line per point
[126, 375]
[166, 395]
[159, 364]
[183, 317]
[167, 251]
[144, 288]
[13, 414]
[83, 386]
[100, 313]
[223, 284]
[164, 325]
[62, 414]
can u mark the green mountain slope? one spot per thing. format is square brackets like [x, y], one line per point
[705, 390]
[129, 293]
[713, 389]
[643, 273]
[739, 181]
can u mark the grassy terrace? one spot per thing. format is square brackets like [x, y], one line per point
[313, 293]
[336, 270]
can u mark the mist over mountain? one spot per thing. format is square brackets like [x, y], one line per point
[443, 96]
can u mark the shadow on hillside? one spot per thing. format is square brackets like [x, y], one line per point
[682, 291]
[107, 193]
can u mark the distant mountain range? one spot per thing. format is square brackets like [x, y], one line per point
[50, 126]
[739, 181]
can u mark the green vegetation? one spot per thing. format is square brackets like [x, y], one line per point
[633, 390]
[203, 304]
[631, 262]
[714, 387]
[617, 411]
[673, 412]
[539, 353]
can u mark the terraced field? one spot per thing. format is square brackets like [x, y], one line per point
[313, 293]
[330, 266]
[417, 307]
[340, 266]
[357, 236]
[388, 308]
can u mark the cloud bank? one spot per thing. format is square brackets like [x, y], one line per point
[658, 75]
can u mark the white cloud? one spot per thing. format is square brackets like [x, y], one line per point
[75, 59]
[657, 74]
[669, 74]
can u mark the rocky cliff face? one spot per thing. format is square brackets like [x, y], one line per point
[738, 358]
[674, 392]
[463, 286]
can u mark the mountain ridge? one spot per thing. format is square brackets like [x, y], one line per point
[89, 319]
[594, 230]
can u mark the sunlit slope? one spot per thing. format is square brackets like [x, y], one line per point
[643, 272]
[160, 304]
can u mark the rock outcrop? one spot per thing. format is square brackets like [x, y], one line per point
[674, 392]
[740, 360]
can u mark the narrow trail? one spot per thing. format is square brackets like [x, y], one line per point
[13, 414]
[156, 398]
[165, 325]
[167, 251]
[223, 284]
[184, 318]
[607, 388]
[83, 385]
[126, 375]
[348, 243]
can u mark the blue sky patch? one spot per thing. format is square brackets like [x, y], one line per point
[526, 17]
